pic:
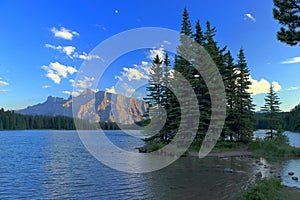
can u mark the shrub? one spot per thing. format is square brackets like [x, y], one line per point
[264, 189]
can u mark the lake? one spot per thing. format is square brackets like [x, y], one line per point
[285, 166]
[55, 165]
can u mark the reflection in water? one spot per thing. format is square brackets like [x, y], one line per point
[286, 165]
[191, 178]
[55, 165]
[291, 166]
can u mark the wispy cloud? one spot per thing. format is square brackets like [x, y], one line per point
[100, 26]
[64, 33]
[83, 83]
[153, 52]
[70, 93]
[85, 56]
[133, 74]
[3, 83]
[111, 90]
[69, 50]
[293, 88]
[167, 42]
[262, 86]
[249, 16]
[56, 71]
[46, 86]
[291, 60]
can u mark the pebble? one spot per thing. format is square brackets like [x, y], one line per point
[291, 173]
[228, 171]
[295, 178]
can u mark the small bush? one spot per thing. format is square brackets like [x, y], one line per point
[276, 146]
[152, 146]
[265, 189]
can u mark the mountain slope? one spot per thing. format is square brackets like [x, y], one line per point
[100, 106]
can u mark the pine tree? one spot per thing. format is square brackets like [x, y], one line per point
[230, 78]
[217, 54]
[244, 110]
[186, 27]
[184, 67]
[199, 36]
[166, 101]
[272, 109]
[287, 12]
[155, 97]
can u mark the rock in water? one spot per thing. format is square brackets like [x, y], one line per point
[228, 171]
[291, 173]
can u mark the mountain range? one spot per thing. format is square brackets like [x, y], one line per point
[94, 106]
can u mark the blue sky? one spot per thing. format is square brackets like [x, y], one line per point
[44, 43]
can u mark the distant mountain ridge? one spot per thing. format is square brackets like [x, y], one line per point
[100, 106]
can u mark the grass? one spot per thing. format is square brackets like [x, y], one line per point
[221, 146]
[151, 146]
[264, 189]
[278, 146]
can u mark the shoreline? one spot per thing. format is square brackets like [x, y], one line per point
[234, 153]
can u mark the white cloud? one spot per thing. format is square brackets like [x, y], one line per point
[293, 88]
[276, 86]
[64, 33]
[249, 16]
[54, 77]
[3, 83]
[111, 90]
[133, 74]
[69, 50]
[56, 71]
[167, 42]
[262, 86]
[85, 56]
[291, 60]
[153, 52]
[70, 93]
[84, 83]
[46, 86]
[125, 88]
[119, 78]
[4, 90]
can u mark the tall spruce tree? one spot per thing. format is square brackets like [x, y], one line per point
[199, 85]
[230, 79]
[155, 97]
[166, 101]
[272, 109]
[287, 12]
[216, 53]
[199, 36]
[245, 107]
[184, 67]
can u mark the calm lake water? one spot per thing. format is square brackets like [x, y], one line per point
[286, 165]
[55, 165]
